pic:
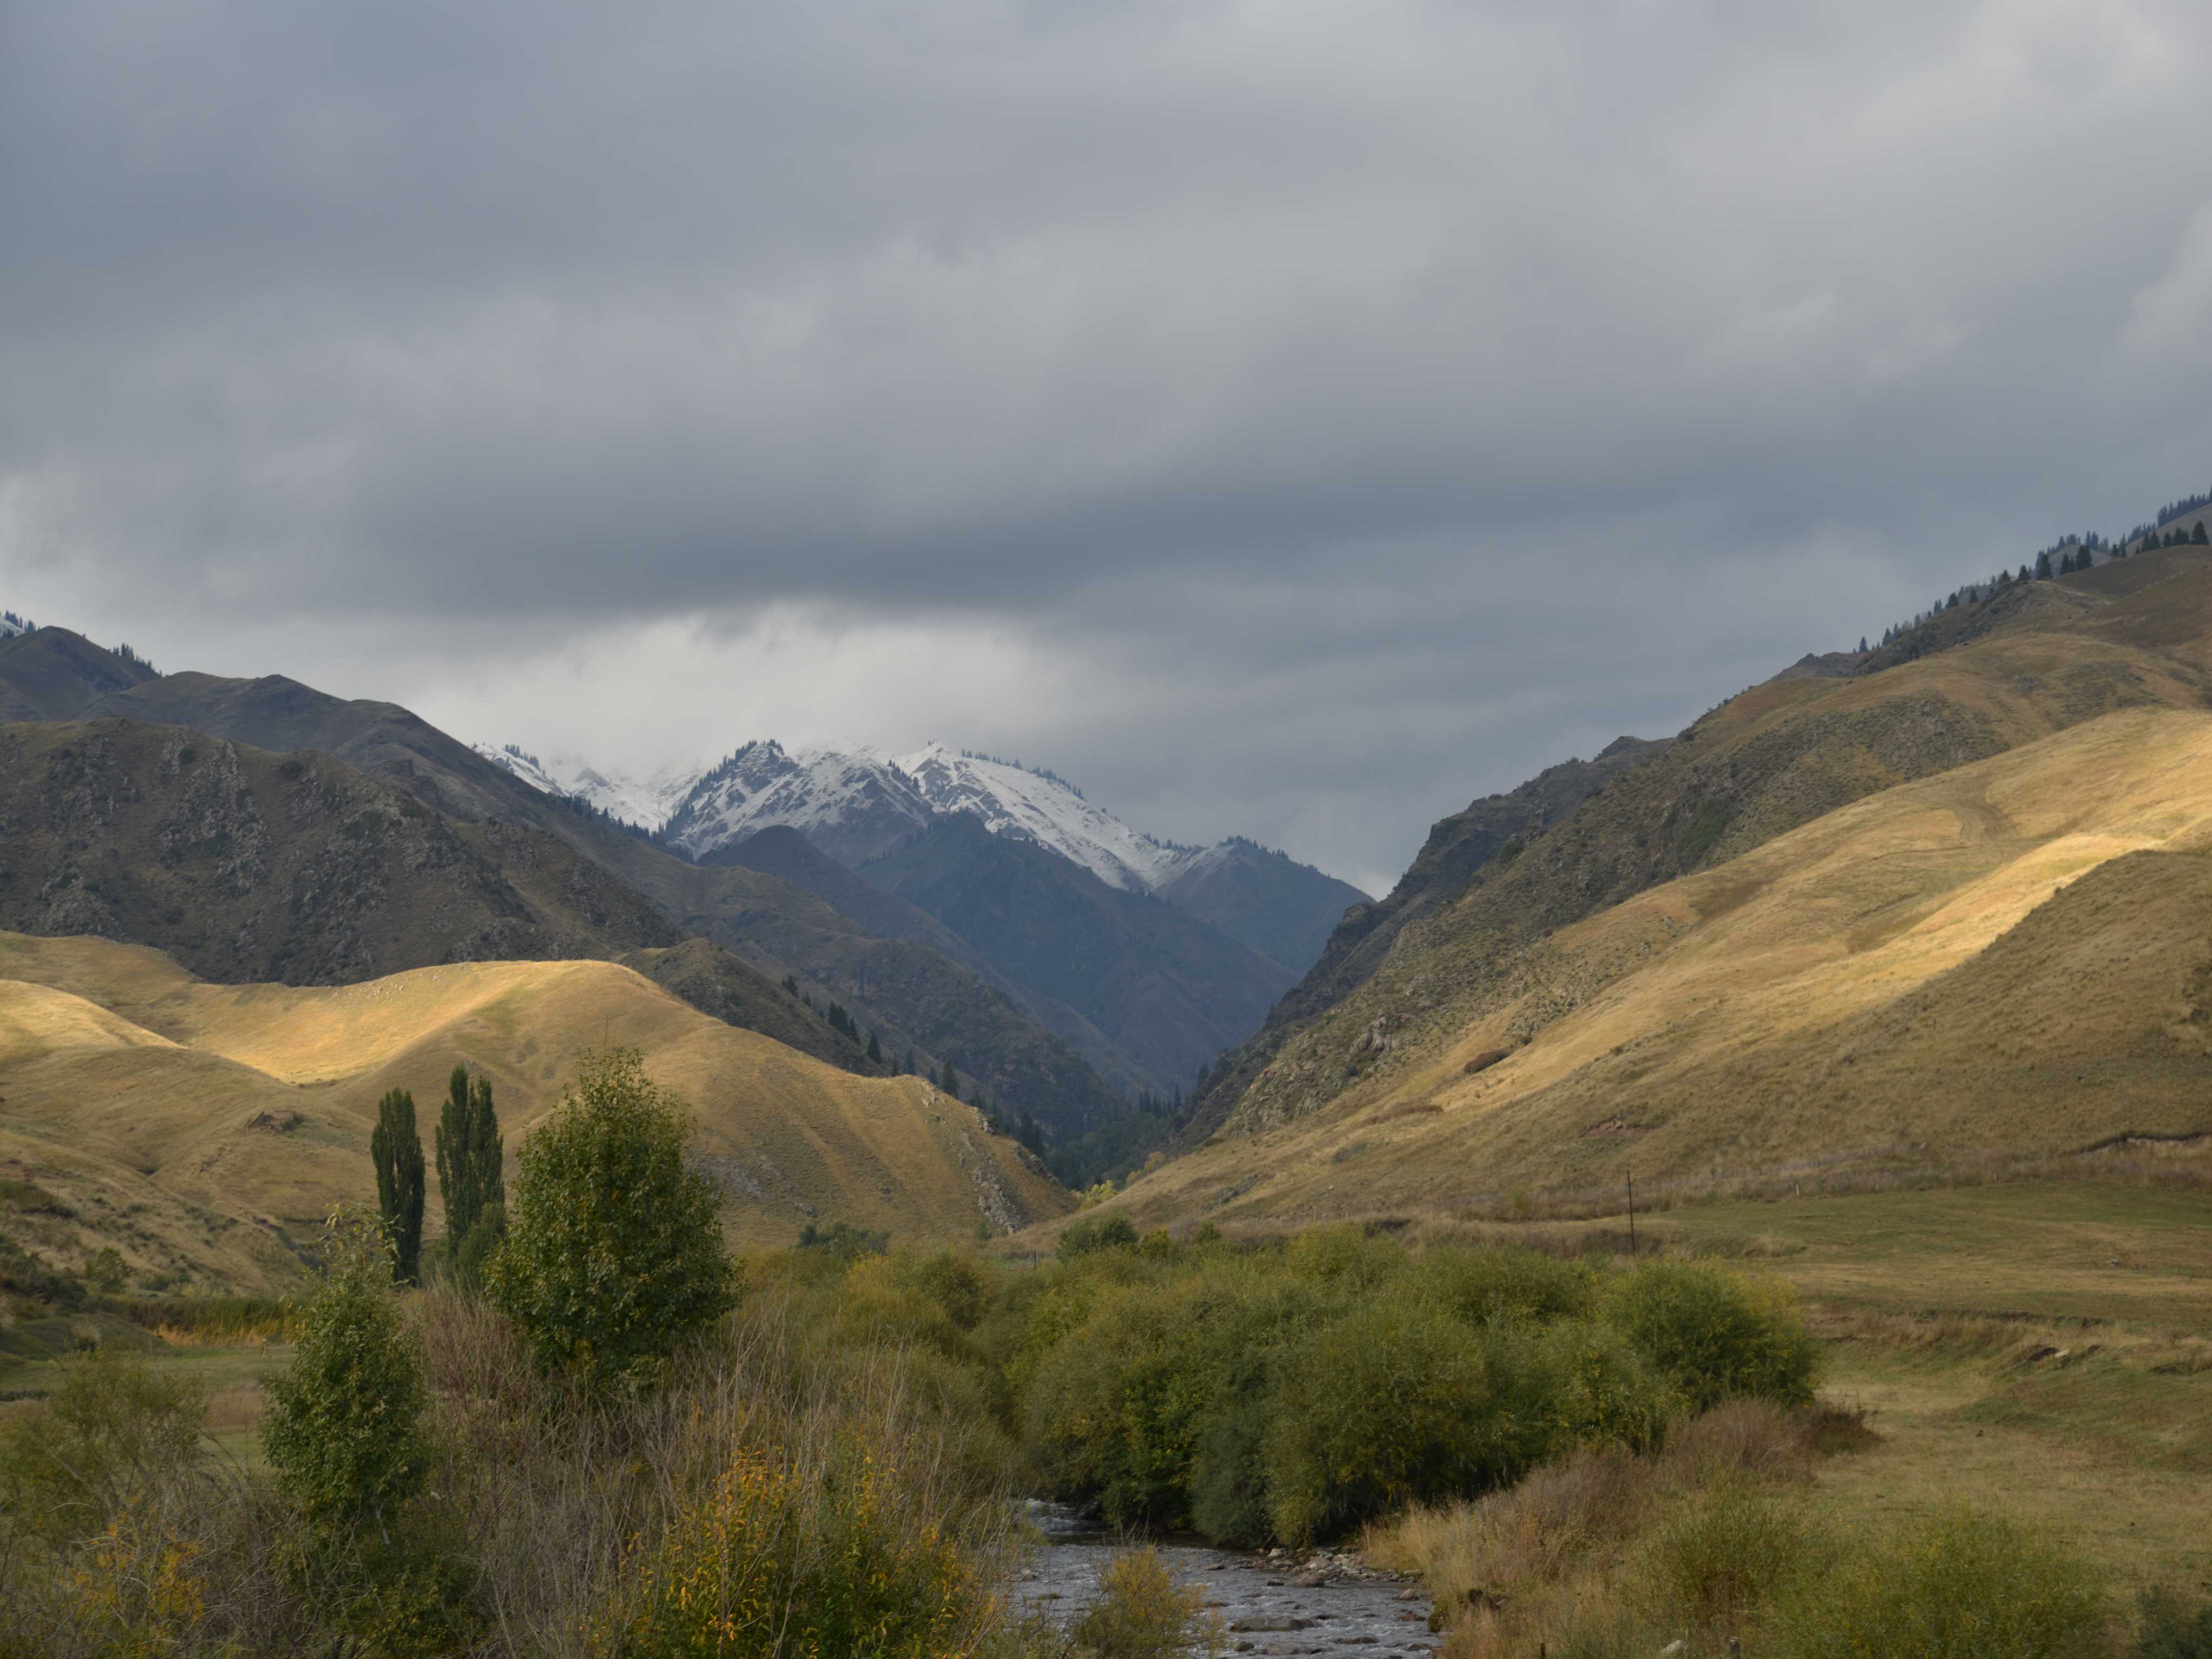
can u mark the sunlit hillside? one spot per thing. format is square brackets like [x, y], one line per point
[2011, 956]
[203, 1129]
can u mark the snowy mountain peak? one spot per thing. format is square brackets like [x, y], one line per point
[648, 801]
[853, 802]
[1013, 799]
[11, 625]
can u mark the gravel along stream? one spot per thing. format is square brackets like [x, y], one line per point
[1276, 1603]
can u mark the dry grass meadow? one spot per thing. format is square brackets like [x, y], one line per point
[2011, 958]
[201, 1129]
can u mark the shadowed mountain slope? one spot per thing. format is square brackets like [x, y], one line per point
[785, 855]
[1262, 898]
[910, 994]
[205, 1129]
[52, 674]
[295, 868]
[1169, 989]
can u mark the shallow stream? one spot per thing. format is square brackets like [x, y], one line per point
[1312, 1603]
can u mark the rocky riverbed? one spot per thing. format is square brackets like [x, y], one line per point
[1273, 1603]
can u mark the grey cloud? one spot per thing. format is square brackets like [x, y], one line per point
[1380, 401]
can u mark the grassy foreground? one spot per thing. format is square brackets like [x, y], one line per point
[2040, 1352]
[1978, 1346]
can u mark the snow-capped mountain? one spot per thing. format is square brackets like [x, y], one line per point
[1035, 806]
[851, 801]
[11, 625]
[856, 804]
[860, 805]
[647, 801]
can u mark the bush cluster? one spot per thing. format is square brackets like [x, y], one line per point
[1288, 1394]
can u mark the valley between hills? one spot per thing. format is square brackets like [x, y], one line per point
[1943, 902]
[1879, 998]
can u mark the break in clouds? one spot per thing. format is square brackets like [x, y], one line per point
[1213, 402]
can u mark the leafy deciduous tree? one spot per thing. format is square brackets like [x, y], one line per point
[344, 1428]
[613, 1251]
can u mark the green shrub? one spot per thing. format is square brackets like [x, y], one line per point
[343, 1423]
[1113, 1410]
[1227, 1472]
[1142, 1612]
[2165, 1629]
[1506, 1284]
[114, 1427]
[1345, 1255]
[771, 1563]
[477, 1248]
[1082, 1238]
[1717, 1335]
[954, 1280]
[1590, 1387]
[104, 1273]
[1719, 1555]
[1958, 1586]
[1394, 1403]
[613, 1253]
[843, 1241]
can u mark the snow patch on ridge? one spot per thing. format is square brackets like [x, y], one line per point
[648, 801]
[1012, 800]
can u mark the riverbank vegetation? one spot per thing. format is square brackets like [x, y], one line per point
[816, 1452]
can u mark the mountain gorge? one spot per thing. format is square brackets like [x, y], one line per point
[1072, 927]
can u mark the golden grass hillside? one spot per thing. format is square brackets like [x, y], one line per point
[203, 1129]
[2011, 956]
[1971, 682]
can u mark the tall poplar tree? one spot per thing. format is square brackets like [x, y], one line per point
[396, 1149]
[470, 1178]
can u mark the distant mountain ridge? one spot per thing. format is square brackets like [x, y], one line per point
[914, 996]
[859, 804]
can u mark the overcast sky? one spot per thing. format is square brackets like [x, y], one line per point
[1292, 419]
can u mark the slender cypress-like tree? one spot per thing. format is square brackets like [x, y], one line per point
[470, 1152]
[396, 1149]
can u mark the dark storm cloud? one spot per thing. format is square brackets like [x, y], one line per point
[1378, 401]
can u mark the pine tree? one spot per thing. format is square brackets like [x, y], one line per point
[910, 1069]
[471, 1180]
[397, 1151]
[1201, 1069]
[875, 1050]
[2043, 567]
[2197, 537]
[951, 1081]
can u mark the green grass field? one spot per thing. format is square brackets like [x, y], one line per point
[2042, 1348]
[2053, 1251]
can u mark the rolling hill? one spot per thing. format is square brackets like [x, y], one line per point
[913, 995]
[205, 1129]
[2012, 956]
[2036, 997]
[250, 866]
[1972, 683]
